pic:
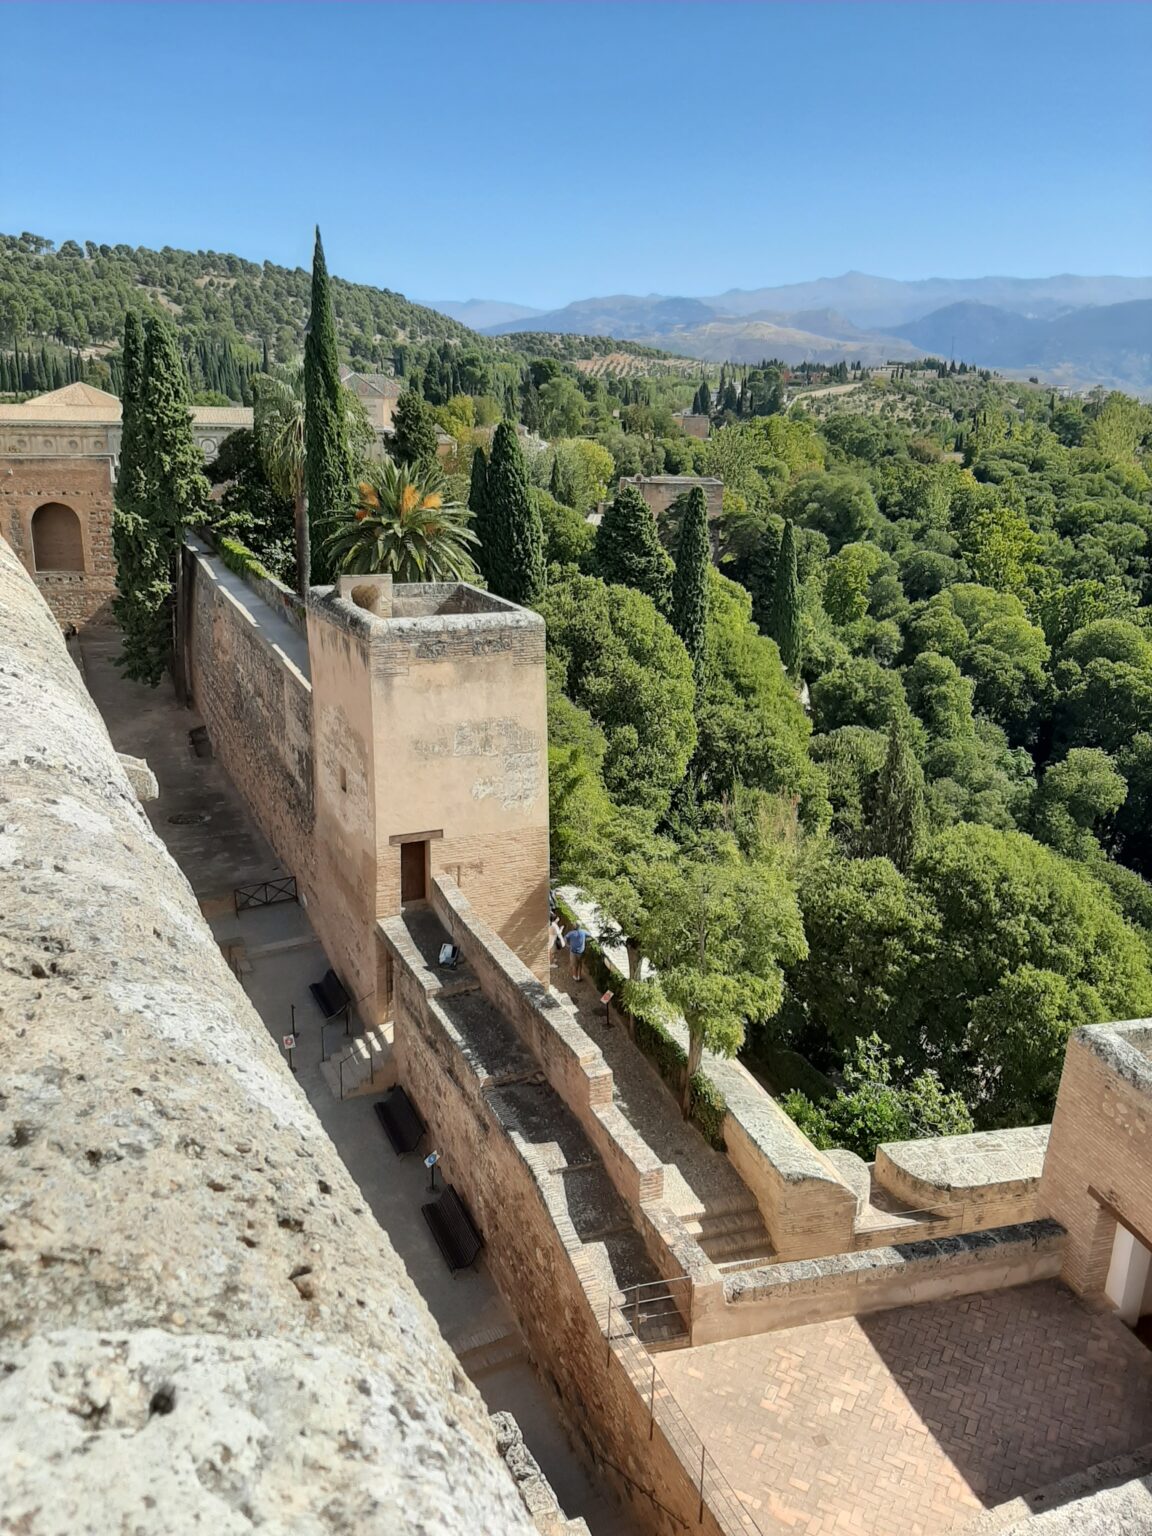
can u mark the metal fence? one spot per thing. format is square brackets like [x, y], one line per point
[266, 893]
[657, 1300]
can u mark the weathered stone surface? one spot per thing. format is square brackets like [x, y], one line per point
[176, 1231]
[140, 776]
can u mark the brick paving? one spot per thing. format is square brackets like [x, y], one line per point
[910, 1422]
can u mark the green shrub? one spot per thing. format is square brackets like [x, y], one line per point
[240, 560]
[645, 1010]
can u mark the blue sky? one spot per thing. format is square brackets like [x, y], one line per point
[547, 152]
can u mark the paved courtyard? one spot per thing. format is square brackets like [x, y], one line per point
[912, 1422]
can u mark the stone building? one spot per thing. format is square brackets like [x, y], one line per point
[695, 424]
[383, 736]
[58, 458]
[660, 491]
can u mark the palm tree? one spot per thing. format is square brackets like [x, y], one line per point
[278, 422]
[401, 523]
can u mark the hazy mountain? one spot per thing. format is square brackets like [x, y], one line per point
[879, 303]
[1108, 344]
[480, 313]
[622, 315]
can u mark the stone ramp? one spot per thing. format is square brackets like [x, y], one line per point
[606, 1247]
[700, 1184]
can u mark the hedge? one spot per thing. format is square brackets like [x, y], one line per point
[645, 1013]
[240, 560]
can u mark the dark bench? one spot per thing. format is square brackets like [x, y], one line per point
[331, 998]
[403, 1126]
[454, 1230]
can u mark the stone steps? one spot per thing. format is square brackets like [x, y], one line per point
[731, 1236]
[369, 1066]
[490, 1350]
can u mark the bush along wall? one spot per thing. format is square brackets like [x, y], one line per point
[644, 1013]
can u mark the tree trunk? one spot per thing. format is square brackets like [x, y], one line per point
[635, 960]
[692, 1066]
[303, 544]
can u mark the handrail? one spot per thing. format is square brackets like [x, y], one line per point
[265, 893]
[715, 1492]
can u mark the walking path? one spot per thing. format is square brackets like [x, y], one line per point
[218, 847]
[699, 1182]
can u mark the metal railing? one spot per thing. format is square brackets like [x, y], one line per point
[266, 893]
[714, 1492]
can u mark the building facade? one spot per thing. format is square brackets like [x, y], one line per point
[58, 459]
[660, 491]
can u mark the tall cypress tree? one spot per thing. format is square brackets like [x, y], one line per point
[160, 490]
[478, 506]
[328, 462]
[898, 820]
[413, 432]
[757, 571]
[784, 606]
[628, 549]
[705, 398]
[690, 583]
[514, 558]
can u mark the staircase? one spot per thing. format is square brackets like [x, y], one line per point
[733, 1239]
[361, 1063]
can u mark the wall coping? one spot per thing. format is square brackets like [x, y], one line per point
[1044, 1236]
[962, 1165]
[1126, 1047]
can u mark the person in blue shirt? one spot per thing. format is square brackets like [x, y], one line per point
[576, 939]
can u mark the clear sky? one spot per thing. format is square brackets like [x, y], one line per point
[548, 152]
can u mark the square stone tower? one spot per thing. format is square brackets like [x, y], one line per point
[430, 737]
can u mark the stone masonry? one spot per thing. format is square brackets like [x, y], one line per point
[204, 1327]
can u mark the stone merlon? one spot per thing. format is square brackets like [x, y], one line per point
[202, 1325]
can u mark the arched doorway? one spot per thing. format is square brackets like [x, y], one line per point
[57, 540]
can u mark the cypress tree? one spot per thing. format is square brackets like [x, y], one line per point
[898, 821]
[690, 583]
[554, 479]
[160, 489]
[478, 505]
[628, 549]
[414, 432]
[759, 575]
[783, 616]
[705, 399]
[514, 558]
[328, 464]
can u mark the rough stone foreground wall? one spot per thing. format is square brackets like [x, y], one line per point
[258, 710]
[200, 1323]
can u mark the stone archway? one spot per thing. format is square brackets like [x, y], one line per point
[57, 538]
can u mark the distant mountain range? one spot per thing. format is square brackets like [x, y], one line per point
[1072, 330]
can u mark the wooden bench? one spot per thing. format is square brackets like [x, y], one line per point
[331, 998]
[402, 1125]
[454, 1230]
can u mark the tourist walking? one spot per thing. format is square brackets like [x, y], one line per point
[576, 940]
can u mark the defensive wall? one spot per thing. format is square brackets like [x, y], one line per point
[204, 1327]
[359, 736]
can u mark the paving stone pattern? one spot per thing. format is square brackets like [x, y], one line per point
[911, 1422]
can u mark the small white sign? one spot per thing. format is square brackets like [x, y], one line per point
[432, 1159]
[289, 1042]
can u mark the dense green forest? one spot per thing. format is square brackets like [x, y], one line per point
[953, 782]
[865, 767]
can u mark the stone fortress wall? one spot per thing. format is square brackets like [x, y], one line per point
[203, 1324]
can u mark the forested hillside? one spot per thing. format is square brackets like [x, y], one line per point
[954, 834]
[865, 769]
[236, 314]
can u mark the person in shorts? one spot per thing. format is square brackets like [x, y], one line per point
[577, 939]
